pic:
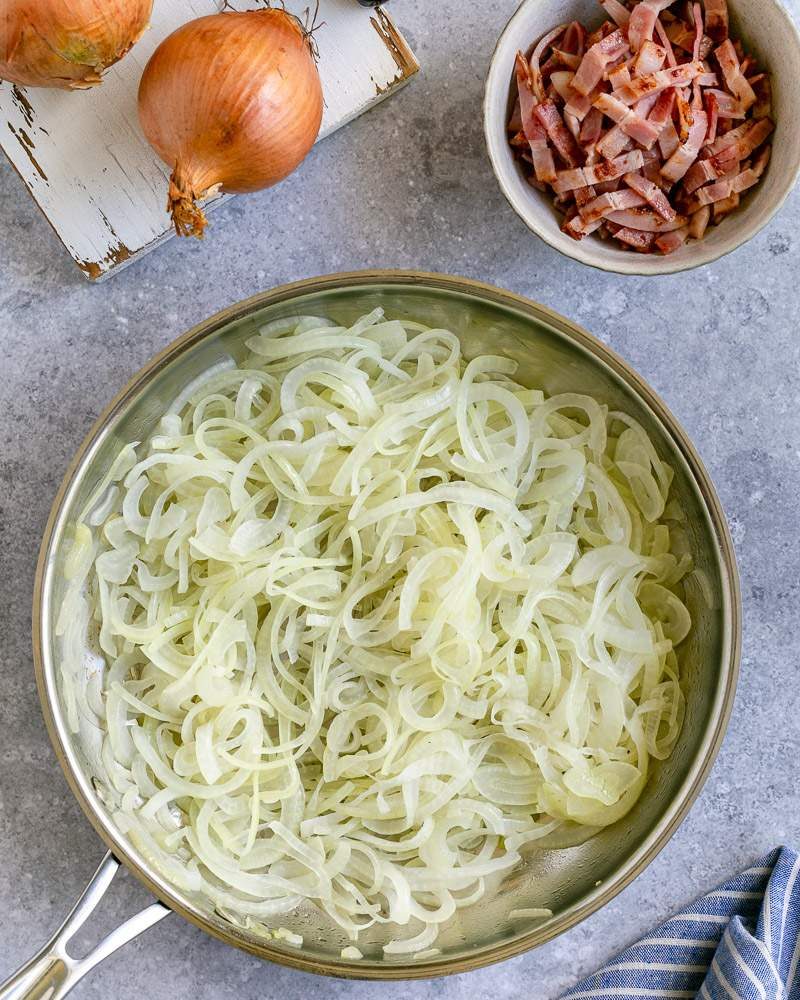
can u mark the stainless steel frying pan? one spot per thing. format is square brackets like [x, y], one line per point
[572, 881]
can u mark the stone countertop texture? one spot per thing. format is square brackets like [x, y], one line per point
[408, 185]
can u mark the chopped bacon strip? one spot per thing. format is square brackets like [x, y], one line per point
[670, 242]
[717, 19]
[614, 201]
[561, 83]
[731, 185]
[579, 105]
[613, 143]
[652, 194]
[747, 138]
[685, 116]
[632, 132]
[606, 28]
[697, 15]
[679, 76]
[543, 164]
[663, 39]
[669, 140]
[725, 206]
[557, 132]
[683, 157]
[577, 228]
[583, 196]
[643, 21]
[734, 78]
[536, 73]
[598, 173]
[650, 59]
[662, 109]
[633, 124]
[574, 40]
[680, 34]
[703, 171]
[727, 105]
[763, 90]
[712, 110]
[590, 72]
[698, 223]
[647, 220]
[592, 128]
[618, 12]
[619, 76]
[636, 238]
[571, 60]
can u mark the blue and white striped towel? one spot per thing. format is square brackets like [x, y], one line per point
[740, 942]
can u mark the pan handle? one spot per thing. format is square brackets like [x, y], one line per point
[51, 974]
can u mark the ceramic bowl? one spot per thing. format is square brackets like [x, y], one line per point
[767, 32]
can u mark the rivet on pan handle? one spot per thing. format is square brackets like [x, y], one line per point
[52, 973]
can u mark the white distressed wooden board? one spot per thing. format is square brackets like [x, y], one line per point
[87, 164]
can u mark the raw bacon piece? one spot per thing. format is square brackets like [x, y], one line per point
[683, 36]
[650, 59]
[592, 128]
[703, 171]
[642, 86]
[717, 19]
[683, 157]
[598, 173]
[614, 201]
[698, 223]
[731, 185]
[617, 11]
[662, 109]
[762, 88]
[747, 138]
[579, 105]
[725, 206]
[652, 194]
[590, 72]
[712, 110]
[647, 220]
[734, 78]
[728, 106]
[669, 141]
[636, 238]
[663, 39]
[643, 21]
[537, 81]
[619, 76]
[577, 228]
[541, 155]
[670, 242]
[557, 132]
[638, 128]
[613, 143]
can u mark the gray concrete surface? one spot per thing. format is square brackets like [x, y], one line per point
[407, 185]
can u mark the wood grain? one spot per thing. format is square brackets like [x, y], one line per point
[84, 159]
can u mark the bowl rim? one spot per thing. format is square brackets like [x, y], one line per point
[673, 815]
[669, 264]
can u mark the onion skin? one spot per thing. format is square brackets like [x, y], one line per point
[231, 102]
[67, 43]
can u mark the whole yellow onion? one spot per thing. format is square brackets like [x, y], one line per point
[230, 102]
[67, 43]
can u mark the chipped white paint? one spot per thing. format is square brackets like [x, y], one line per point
[86, 162]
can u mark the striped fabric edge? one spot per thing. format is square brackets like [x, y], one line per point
[741, 941]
